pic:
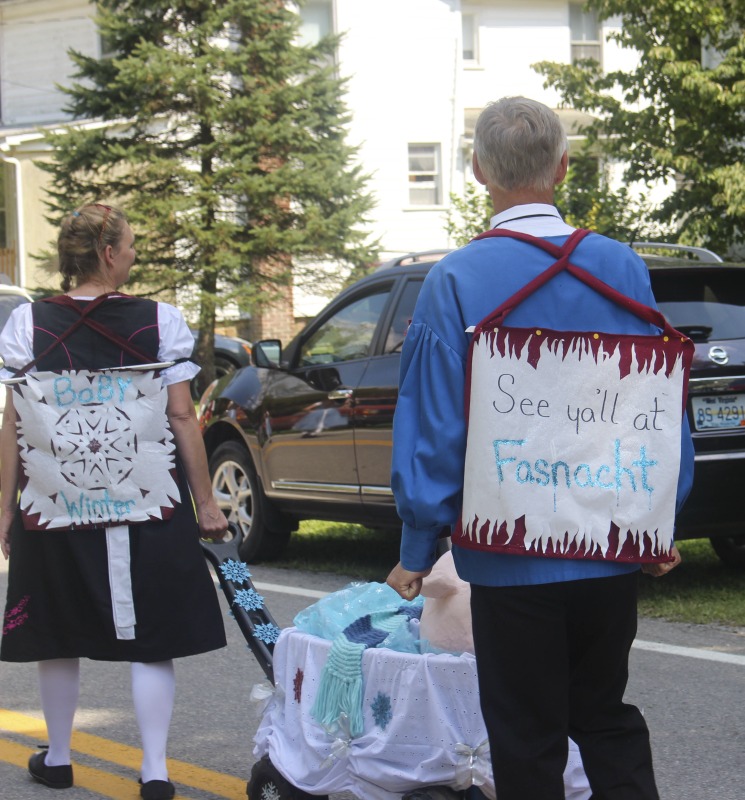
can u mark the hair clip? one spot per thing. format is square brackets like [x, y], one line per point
[76, 213]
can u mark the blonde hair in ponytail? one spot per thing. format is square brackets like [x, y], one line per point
[83, 236]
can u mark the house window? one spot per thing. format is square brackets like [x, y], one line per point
[424, 174]
[585, 33]
[316, 21]
[105, 47]
[470, 37]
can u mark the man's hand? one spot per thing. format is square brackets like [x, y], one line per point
[657, 570]
[406, 583]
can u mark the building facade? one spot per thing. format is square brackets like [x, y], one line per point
[418, 72]
[35, 36]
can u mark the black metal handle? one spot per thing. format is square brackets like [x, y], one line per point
[219, 553]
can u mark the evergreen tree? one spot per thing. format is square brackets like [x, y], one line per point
[678, 115]
[223, 137]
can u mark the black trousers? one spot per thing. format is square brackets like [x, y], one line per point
[552, 662]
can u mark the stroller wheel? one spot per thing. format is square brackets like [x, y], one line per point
[267, 783]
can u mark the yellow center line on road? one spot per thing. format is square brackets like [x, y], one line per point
[103, 783]
[116, 753]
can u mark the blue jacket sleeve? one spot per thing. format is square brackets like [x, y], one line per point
[428, 424]
[685, 477]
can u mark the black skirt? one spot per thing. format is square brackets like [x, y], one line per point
[59, 598]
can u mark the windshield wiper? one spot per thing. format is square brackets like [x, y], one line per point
[698, 333]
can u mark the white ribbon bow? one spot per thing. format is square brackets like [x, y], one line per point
[342, 739]
[474, 769]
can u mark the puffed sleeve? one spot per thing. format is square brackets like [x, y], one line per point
[17, 340]
[429, 422]
[176, 342]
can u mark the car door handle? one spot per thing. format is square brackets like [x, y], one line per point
[340, 394]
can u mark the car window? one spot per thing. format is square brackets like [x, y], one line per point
[7, 303]
[402, 317]
[704, 305]
[348, 334]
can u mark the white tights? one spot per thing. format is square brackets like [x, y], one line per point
[153, 691]
[59, 686]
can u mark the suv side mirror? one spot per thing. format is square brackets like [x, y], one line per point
[267, 353]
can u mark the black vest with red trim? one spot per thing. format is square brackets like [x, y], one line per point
[133, 319]
[573, 437]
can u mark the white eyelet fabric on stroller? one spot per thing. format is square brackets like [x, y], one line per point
[422, 725]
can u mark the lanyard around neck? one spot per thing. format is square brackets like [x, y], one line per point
[526, 216]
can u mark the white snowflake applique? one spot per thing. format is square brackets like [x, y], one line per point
[95, 447]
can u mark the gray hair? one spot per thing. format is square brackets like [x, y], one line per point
[519, 144]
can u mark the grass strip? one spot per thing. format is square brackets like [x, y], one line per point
[701, 590]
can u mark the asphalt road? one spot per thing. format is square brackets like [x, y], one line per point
[689, 680]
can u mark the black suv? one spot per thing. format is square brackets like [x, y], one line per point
[231, 353]
[305, 433]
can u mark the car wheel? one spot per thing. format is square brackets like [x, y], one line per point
[267, 783]
[730, 549]
[224, 366]
[238, 492]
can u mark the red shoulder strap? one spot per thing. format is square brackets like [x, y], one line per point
[562, 254]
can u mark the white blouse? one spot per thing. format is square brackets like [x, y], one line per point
[176, 341]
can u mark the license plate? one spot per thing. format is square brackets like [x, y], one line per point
[719, 412]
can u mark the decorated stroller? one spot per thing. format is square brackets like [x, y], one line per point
[412, 726]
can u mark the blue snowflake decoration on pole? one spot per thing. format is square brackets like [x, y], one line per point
[267, 632]
[249, 599]
[235, 571]
[381, 710]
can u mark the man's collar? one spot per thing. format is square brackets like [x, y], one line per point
[524, 211]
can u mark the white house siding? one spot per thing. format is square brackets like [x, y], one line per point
[512, 37]
[401, 57]
[408, 83]
[34, 41]
[35, 36]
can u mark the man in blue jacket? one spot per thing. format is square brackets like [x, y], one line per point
[552, 628]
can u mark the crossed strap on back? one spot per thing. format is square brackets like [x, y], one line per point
[85, 319]
[562, 263]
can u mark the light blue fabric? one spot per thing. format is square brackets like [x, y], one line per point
[354, 619]
[328, 617]
[429, 427]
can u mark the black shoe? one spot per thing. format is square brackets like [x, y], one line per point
[53, 777]
[157, 790]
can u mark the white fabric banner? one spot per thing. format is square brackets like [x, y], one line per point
[574, 433]
[95, 448]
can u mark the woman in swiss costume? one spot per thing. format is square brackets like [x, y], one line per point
[138, 591]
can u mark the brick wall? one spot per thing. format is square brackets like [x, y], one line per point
[274, 320]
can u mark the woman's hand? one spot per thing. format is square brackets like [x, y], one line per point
[212, 522]
[657, 570]
[189, 443]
